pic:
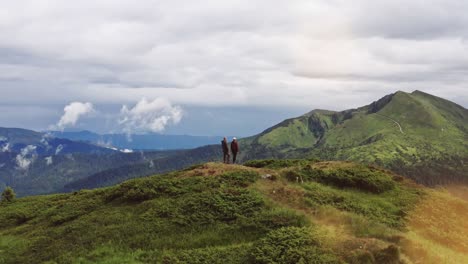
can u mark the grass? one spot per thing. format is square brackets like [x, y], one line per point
[438, 229]
[389, 208]
[276, 163]
[292, 245]
[358, 177]
[169, 213]
[217, 213]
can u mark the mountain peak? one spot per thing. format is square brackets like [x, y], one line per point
[418, 92]
[376, 106]
[400, 92]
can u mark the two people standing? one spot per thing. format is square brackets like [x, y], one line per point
[234, 150]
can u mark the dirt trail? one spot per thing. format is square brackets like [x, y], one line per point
[394, 121]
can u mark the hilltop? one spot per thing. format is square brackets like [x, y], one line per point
[269, 211]
[416, 134]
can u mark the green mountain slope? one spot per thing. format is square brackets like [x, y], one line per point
[274, 211]
[417, 134]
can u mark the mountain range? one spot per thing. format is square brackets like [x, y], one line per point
[418, 135]
[150, 141]
[38, 163]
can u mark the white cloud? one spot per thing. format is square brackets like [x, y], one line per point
[150, 161]
[5, 147]
[59, 149]
[149, 116]
[72, 114]
[126, 150]
[26, 157]
[49, 160]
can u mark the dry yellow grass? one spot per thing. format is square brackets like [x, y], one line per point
[460, 191]
[438, 230]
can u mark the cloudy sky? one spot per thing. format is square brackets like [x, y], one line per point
[219, 67]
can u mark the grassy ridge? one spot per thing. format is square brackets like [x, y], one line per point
[159, 217]
[212, 213]
[431, 147]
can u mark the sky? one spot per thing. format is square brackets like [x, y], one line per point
[214, 67]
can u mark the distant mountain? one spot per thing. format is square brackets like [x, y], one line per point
[179, 160]
[22, 140]
[140, 141]
[418, 135]
[37, 163]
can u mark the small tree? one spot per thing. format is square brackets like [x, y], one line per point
[8, 194]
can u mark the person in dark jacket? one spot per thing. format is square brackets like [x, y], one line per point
[234, 149]
[226, 156]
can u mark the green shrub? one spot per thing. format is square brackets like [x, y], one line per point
[389, 255]
[276, 163]
[363, 179]
[291, 245]
[388, 208]
[212, 255]
[281, 217]
[361, 257]
[20, 216]
[226, 206]
[193, 167]
[269, 219]
[359, 178]
[8, 195]
[239, 178]
[304, 174]
[145, 189]
[139, 190]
